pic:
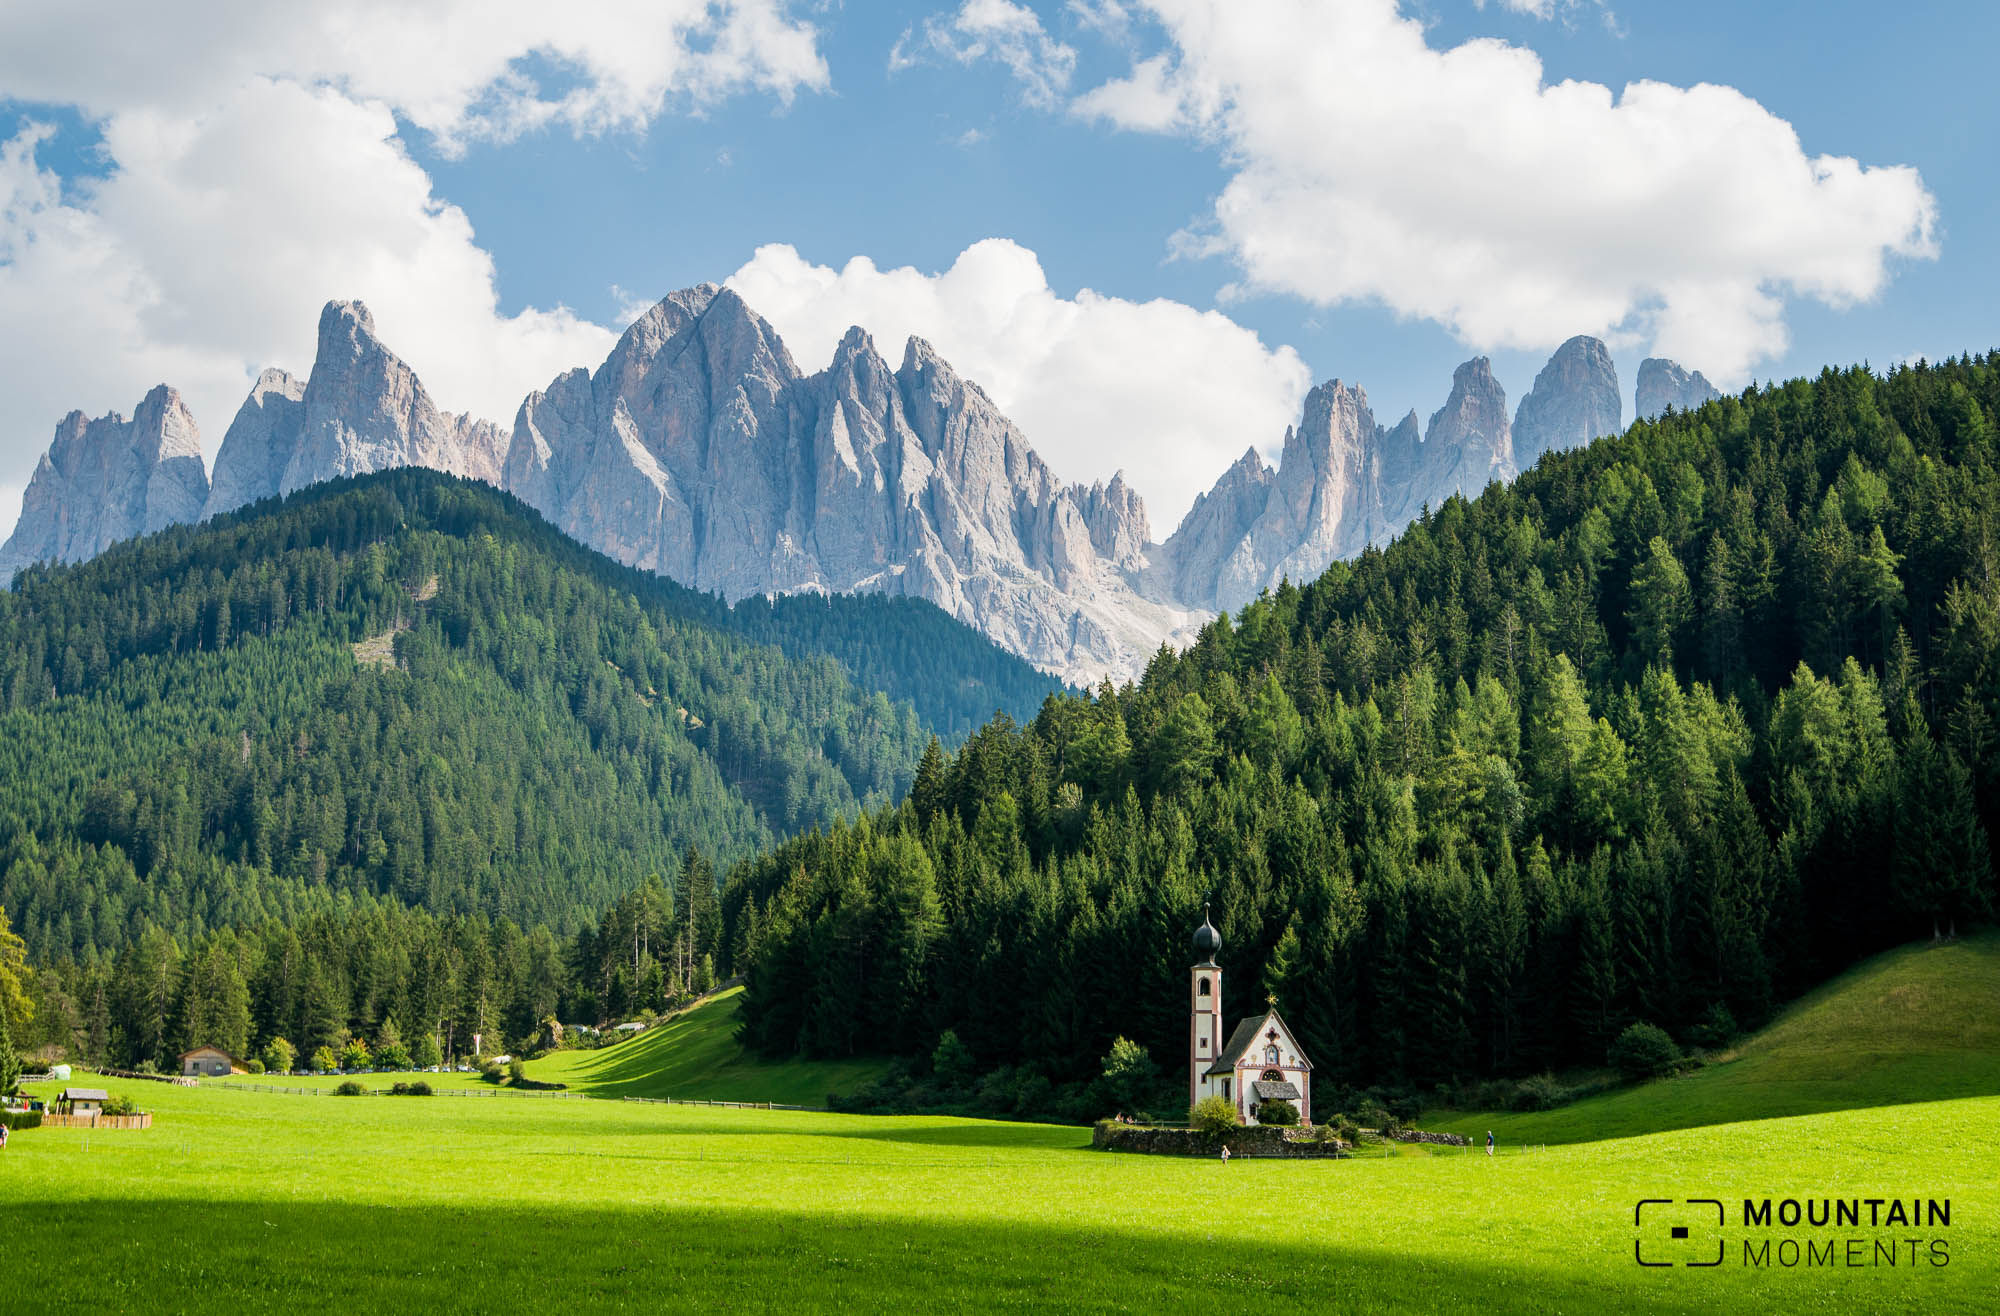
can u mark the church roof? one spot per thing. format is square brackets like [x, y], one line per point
[1246, 1036]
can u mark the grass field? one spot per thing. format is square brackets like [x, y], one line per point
[1919, 1023]
[695, 1056]
[241, 1200]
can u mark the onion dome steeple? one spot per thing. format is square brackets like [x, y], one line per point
[1207, 941]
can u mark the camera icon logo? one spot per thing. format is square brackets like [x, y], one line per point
[1677, 1232]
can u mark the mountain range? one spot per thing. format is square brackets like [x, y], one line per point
[700, 451]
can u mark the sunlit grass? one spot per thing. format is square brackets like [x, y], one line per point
[238, 1198]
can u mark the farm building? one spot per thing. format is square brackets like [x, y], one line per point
[209, 1060]
[81, 1101]
[1262, 1061]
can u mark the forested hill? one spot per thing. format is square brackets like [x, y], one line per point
[411, 686]
[1674, 726]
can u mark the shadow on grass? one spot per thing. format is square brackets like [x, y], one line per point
[271, 1256]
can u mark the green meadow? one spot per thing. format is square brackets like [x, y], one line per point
[1916, 1024]
[239, 1199]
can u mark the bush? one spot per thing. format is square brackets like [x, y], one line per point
[420, 1089]
[324, 1061]
[354, 1055]
[1280, 1114]
[253, 1066]
[1716, 1029]
[1374, 1115]
[491, 1072]
[517, 1072]
[1541, 1092]
[120, 1104]
[1644, 1051]
[1129, 1074]
[417, 1089]
[1347, 1131]
[145, 1067]
[349, 1089]
[395, 1056]
[21, 1119]
[952, 1061]
[279, 1056]
[1215, 1115]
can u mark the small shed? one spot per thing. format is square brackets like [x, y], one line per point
[206, 1060]
[81, 1101]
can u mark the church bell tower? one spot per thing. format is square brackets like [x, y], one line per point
[1204, 1007]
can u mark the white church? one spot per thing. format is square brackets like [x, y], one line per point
[1260, 1062]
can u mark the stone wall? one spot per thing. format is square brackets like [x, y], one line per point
[1435, 1139]
[1256, 1140]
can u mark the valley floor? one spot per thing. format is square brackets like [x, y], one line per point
[241, 1199]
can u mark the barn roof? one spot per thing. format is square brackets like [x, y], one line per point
[206, 1051]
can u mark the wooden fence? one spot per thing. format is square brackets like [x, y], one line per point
[54, 1121]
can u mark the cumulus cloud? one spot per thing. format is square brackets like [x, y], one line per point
[999, 30]
[257, 171]
[1461, 187]
[459, 69]
[1167, 393]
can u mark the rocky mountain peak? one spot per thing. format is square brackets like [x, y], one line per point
[1664, 383]
[109, 479]
[1469, 441]
[362, 409]
[1575, 399]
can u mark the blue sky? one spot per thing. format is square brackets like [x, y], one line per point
[504, 194]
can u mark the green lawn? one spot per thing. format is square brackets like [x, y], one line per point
[238, 1199]
[1916, 1024]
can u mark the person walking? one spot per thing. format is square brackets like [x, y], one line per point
[1489, 1142]
[1225, 1155]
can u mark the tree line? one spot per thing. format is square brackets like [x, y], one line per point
[368, 975]
[1670, 729]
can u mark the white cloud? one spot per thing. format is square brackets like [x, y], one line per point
[1165, 392]
[459, 69]
[999, 30]
[1458, 186]
[257, 172]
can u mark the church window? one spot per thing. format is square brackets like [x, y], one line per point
[1203, 989]
[1273, 1076]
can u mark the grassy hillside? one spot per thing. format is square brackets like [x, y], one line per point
[239, 1200]
[697, 1056]
[1917, 1024]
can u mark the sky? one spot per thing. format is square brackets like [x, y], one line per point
[1146, 227]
